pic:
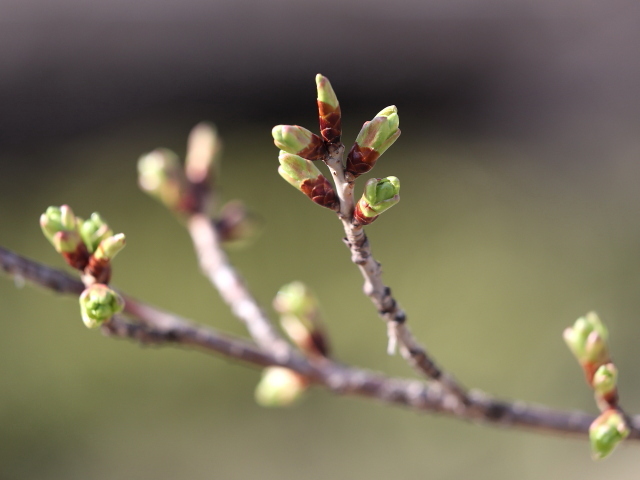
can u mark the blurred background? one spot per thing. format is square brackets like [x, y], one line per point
[520, 212]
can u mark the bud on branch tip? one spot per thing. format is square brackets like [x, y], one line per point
[328, 111]
[99, 303]
[380, 194]
[373, 140]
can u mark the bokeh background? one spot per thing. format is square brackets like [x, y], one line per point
[520, 211]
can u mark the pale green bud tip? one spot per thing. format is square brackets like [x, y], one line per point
[57, 219]
[295, 169]
[155, 167]
[605, 379]
[111, 246]
[587, 338]
[381, 132]
[325, 91]
[94, 230]
[99, 303]
[291, 138]
[295, 298]
[279, 387]
[606, 432]
[201, 151]
[380, 194]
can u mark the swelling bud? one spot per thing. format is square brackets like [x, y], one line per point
[380, 194]
[373, 140]
[299, 141]
[99, 303]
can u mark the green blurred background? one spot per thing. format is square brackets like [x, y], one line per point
[519, 213]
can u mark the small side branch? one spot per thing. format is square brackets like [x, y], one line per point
[215, 265]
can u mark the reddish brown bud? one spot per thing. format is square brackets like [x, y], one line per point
[330, 122]
[360, 160]
[78, 258]
[99, 269]
[320, 191]
[360, 218]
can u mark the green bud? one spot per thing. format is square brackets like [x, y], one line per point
[57, 219]
[295, 298]
[325, 91]
[306, 177]
[279, 387]
[380, 194]
[298, 141]
[295, 169]
[605, 379]
[202, 148]
[606, 432]
[93, 231]
[380, 133]
[161, 175]
[99, 303]
[587, 339]
[110, 247]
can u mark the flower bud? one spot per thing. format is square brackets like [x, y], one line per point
[379, 195]
[304, 176]
[300, 318]
[60, 227]
[606, 432]
[328, 111]
[99, 303]
[279, 387]
[299, 141]
[161, 176]
[587, 340]
[93, 231]
[110, 247]
[373, 140]
[236, 225]
[202, 148]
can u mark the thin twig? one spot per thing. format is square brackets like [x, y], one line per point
[215, 265]
[157, 327]
[387, 307]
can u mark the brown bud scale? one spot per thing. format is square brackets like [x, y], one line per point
[316, 150]
[99, 269]
[359, 218]
[330, 122]
[77, 259]
[361, 160]
[320, 191]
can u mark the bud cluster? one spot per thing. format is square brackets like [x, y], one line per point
[299, 147]
[185, 189]
[587, 340]
[86, 245]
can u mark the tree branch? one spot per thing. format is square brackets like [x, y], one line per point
[157, 327]
[380, 295]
